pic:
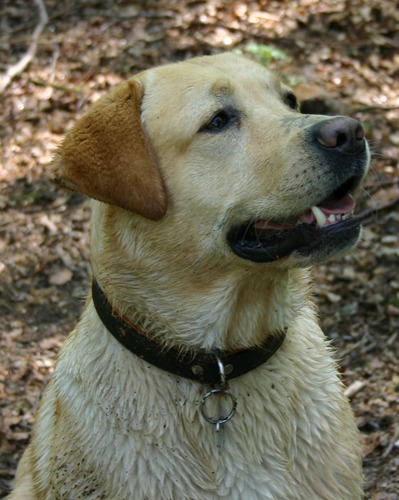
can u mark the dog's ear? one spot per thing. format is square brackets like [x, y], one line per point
[107, 156]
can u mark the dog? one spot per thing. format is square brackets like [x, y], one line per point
[198, 369]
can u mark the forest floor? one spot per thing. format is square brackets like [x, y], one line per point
[339, 56]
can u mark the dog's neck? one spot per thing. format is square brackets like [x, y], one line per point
[225, 317]
[200, 365]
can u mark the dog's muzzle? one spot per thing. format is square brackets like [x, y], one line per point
[327, 227]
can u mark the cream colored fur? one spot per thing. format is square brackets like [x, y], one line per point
[111, 426]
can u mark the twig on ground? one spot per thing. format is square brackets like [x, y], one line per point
[19, 67]
[354, 347]
[58, 86]
[248, 33]
[363, 109]
[376, 186]
[387, 451]
[365, 216]
[354, 388]
[392, 442]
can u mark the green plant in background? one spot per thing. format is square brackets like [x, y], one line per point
[264, 54]
[293, 80]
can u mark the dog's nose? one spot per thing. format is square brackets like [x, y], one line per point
[341, 133]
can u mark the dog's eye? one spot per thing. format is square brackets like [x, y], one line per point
[291, 101]
[217, 123]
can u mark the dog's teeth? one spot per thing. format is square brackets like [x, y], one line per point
[321, 219]
[332, 218]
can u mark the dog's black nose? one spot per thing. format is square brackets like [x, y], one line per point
[341, 133]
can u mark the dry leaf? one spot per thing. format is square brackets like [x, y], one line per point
[61, 277]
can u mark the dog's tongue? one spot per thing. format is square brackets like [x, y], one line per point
[322, 214]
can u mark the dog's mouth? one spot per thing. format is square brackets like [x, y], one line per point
[324, 229]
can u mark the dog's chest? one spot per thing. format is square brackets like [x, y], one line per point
[132, 437]
[167, 449]
[137, 432]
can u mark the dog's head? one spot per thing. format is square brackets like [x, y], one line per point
[216, 150]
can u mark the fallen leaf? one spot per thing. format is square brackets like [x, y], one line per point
[61, 277]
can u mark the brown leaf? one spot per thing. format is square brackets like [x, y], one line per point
[61, 277]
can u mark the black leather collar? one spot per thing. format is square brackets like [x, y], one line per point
[199, 365]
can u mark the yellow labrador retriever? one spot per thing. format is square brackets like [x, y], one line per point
[198, 369]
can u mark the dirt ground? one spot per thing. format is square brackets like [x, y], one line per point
[341, 57]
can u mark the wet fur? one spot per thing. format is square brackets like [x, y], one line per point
[111, 426]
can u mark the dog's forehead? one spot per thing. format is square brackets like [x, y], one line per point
[241, 70]
[220, 75]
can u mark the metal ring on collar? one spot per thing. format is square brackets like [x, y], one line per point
[221, 420]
